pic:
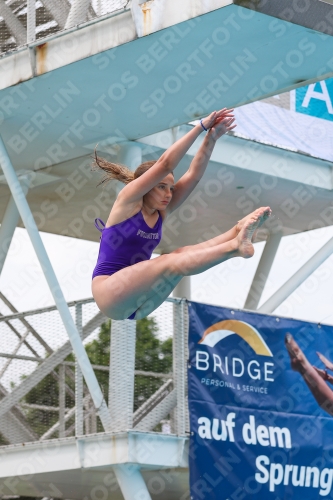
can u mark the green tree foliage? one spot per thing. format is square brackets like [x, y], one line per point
[152, 355]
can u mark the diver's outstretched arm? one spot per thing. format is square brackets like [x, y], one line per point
[224, 122]
[137, 188]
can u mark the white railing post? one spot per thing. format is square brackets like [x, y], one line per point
[122, 366]
[186, 360]
[93, 419]
[78, 379]
[31, 21]
[78, 13]
[13, 23]
[179, 366]
[62, 401]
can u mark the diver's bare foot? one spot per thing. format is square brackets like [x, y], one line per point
[298, 361]
[263, 213]
[244, 237]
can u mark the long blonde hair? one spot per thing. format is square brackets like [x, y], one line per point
[118, 172]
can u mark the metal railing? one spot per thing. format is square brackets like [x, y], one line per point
[25, 21]
[140, 365]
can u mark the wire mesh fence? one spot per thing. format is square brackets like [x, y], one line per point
[24, 21]
[42, 392]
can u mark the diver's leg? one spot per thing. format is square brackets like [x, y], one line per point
[144, 286]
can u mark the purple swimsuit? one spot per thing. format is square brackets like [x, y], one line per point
[126, 243]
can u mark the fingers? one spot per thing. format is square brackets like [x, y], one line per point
[223, 113]
[226, 120]
[221, 121]
[227, 123]
[228, 116]
[225, 110]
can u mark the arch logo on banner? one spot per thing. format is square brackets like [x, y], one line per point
[223, 329]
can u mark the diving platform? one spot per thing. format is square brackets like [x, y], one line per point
[78, 467]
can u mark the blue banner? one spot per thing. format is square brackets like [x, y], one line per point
[316, 100]
[261, 406]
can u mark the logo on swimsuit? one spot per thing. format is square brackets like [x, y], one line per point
[148, 236]
[223, 329]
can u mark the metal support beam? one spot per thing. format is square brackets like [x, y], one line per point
[27, 324]
[14, 330]
[131, 482]
[179, 366]
[183, 289]
[31, 21]
[186, 357]
[62, 401]
[93, 418]
[90, 418]
[14, 352]
[129, 154]
[146, 409]
[297, 279]
[59, 10]
[14, 25]
[14, 426]
[78, 13]
[8, 226]
[263, 270]
[49, 433]
[90, 409]
[16, 430]
[56, 291]
[158, 413]
[78, 379]
[122, 361]
[55, 428]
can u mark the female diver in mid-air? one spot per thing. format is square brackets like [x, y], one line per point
[126, 284]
